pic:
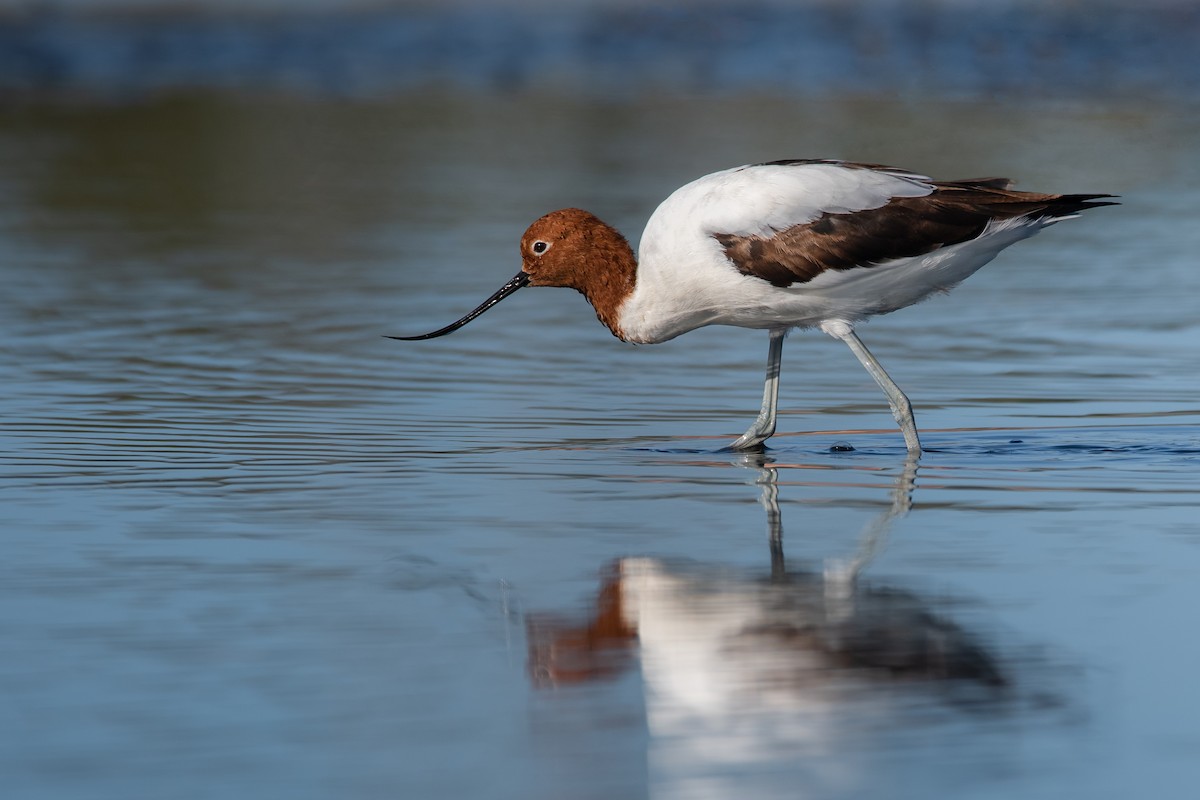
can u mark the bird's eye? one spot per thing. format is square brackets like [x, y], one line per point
[540, 247]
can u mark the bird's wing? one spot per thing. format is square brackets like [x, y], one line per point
[858, 216]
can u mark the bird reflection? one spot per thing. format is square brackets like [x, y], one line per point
[716, 643]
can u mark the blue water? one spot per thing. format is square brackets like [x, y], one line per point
[254, 548]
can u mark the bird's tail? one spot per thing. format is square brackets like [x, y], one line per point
[1072, 204]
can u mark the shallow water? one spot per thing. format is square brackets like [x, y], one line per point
[255, 548]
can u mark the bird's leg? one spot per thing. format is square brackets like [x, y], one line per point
[764, 426]
[901, 408]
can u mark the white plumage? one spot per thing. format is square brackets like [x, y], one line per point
[684, 276]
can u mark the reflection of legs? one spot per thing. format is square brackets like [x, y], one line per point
[840, 575]
[901, 408]
[770, 501]
[768, 479]
[764, 426]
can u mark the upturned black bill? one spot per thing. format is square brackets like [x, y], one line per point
[519, 280]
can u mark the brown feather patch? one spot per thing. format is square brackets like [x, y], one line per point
[956, 211]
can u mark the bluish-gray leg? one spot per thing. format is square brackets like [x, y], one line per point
[901, 408]
[764, 426]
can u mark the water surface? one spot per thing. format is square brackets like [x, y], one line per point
[255, 548]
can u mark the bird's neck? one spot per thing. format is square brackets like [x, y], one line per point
[610, 278]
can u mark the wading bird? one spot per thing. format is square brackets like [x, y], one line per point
[782, 245]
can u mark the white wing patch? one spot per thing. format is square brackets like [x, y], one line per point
[763, 199]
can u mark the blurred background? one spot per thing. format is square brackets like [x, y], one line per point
[252, 548]
[119, 49]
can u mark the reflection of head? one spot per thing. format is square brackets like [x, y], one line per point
[561, 652]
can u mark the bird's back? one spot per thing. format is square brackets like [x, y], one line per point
[799, 243]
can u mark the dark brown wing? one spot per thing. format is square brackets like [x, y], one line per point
[956, 211]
